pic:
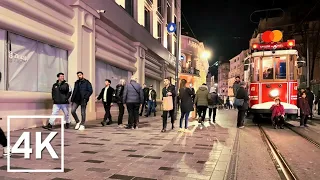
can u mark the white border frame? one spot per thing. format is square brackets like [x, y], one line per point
[36, 117]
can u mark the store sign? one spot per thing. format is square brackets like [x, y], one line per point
[14, 57]
[273, 46]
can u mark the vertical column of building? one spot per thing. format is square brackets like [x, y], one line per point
[140, 63]
[82, 57]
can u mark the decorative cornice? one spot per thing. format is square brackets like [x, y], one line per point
[84, 6]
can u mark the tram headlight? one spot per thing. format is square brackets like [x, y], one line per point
[274, 93]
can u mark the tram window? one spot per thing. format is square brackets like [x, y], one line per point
[256, 68]
[267, 67]
[281, 67]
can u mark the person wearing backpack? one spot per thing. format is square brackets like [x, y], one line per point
[213, 101]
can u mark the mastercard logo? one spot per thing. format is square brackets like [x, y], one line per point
[272, 36]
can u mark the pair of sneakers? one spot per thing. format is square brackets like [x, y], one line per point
[79, 127]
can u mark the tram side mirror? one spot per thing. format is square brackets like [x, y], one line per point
[301, 62]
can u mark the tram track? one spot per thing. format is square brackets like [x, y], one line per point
[280, 163]
[289, 126]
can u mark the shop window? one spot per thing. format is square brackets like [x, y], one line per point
[267, 68]
[105, 71]
[33, 66]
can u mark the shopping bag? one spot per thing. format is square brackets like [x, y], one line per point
[167, 103]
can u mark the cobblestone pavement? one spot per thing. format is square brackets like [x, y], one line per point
[146, 153]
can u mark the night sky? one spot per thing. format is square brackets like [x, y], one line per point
[224, 25]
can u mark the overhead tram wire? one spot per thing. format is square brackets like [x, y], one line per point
[184, 17]
[302, 21]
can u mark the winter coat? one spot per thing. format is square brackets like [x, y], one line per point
[304, 106]
[61, 92]
[172, 89]
[277, 110]
[243, 94]
[83, 87]
[119, 93]
[153, 95]
[202, 96]
[185, 95]
[213, 99]
[133, 93]
[110, 92]
[310, 97]
[146, 93]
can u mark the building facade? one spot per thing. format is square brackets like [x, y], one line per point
[236, 69]
[223, 72]
[103, 39]
[194, 65]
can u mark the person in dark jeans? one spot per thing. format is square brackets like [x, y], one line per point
[133, 97]
[213, 101]
[3, 142]
[145, 97]
[167, 91]
[106, 95]
[201, 101]
[119, 99]
[80, 97]
[242, 94]
[152, 97]
[185, 94]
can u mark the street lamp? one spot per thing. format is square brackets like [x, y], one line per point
[205, 54]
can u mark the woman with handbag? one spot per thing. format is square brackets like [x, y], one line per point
[169, 95]
[241, 102]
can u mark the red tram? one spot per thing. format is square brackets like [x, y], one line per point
[273, 73]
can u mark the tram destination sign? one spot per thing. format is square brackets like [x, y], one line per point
[274, 46]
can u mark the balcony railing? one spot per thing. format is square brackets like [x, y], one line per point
[192, 71]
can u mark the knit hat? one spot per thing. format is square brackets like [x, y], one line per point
[212, 89]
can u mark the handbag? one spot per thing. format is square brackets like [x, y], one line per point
[238, 102]
[167, 103]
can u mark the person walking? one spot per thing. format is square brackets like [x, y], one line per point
[213, 101]
[201, 101]
[305, 110]
[236, 86]
[106, 95]
[145, 97]
[119, 99]
[241, 102]
[152, 97]
[61, 92]
[3, 142]
[168, 91]
[228, 102]
[133, 97]
[80, 97]
[185, 94]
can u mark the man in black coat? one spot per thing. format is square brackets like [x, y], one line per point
[106, 95]
[145, 96]
[168, 91]
[310, 97]
[61, 92]
[242, 95]
[80, 97]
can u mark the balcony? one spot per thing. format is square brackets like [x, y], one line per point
[191, 71]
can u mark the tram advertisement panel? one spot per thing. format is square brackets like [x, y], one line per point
[254, 94]
[293, 93]
[272, 90]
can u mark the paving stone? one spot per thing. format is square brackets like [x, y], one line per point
[114, 153]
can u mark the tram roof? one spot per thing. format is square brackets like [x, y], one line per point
[275, 53]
